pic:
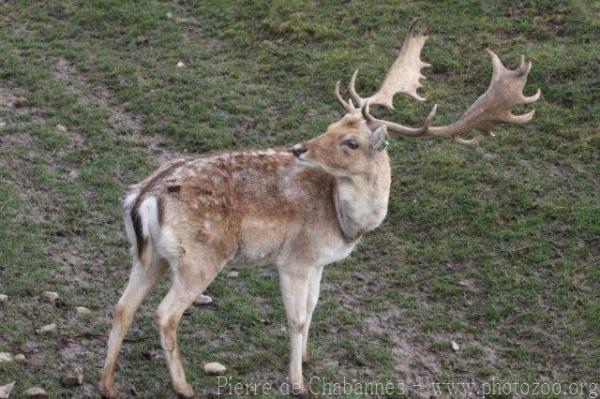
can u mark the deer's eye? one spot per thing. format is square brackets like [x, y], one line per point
[351, 143]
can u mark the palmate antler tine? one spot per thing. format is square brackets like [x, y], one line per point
[405, 74]
[494, 106]
[402, 77]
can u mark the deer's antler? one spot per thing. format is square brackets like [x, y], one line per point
[402, 77]
[493, 107]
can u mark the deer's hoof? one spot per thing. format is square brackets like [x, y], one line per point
[301, 392]
[108, 392]
[304, 395]
[184, 390]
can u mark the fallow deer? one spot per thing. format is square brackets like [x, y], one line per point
[298, 209]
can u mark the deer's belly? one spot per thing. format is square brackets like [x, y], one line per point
[259, 242]
[268, 242]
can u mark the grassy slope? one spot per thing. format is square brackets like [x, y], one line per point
[495, 248]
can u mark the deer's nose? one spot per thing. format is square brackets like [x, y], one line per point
[298, 150]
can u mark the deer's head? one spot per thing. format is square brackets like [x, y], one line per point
[352, 145]
[347, 148]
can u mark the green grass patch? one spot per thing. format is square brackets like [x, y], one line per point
[495, 248]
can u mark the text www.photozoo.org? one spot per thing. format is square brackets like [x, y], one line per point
[226, 386]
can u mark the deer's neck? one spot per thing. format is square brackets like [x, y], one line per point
[361, 201]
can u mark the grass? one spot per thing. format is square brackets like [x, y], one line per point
[495, 248]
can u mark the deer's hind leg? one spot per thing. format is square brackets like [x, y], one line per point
[191, 275]
[141, 282]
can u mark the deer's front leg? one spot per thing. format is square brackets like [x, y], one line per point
[314, 287]
[294, 283]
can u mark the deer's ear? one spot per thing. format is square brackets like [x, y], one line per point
[377, 140]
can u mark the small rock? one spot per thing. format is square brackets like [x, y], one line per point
[2, 123]
[51, 296]
[141, 40]
[233, 274]
[204, 300]
[180, 64]
[20, 102]
[82, 310]
[5, 390]
[47, 329]
[61, 128]
[455, 347]
[72, 377]
[3, 298]
[214, 368]
[5, 357]
[36, 392]
[169, 15]
[490, 156]
[20, 357]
